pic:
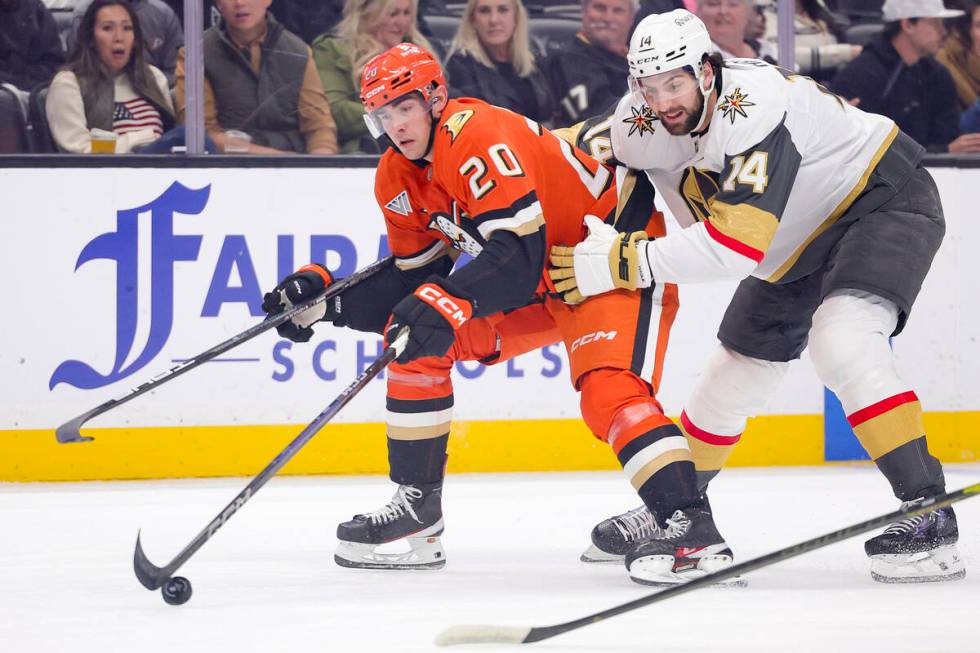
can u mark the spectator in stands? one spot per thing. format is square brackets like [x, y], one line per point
[961, 55]
[648, 7]
[589, 72]
[108, 85]
[30, 49]
[821, 43]
[308, 19]
[726, 21]
[368, 28]
[260, 79]
[755, 30]
[970, 120]
[895, 75]
[491, 59]
[162, 32]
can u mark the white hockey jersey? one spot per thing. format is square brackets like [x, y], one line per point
[780, 162]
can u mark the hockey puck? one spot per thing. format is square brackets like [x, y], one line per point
[177, 591]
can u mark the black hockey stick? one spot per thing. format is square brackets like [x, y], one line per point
[523, 635]
[71, 431]
[152, 577]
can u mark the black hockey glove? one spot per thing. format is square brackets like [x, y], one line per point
[432, 316]
[302, 285]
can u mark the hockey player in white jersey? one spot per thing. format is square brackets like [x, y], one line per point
[829, 218]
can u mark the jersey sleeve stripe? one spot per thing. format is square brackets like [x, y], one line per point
[749, 225]
[525, 222]
[516, 206]
[717, 227]
[523, 217]
[423, 257]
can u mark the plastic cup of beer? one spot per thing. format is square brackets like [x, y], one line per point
[236, 142]
[103, 142]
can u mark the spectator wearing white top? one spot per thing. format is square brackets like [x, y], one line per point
[108, 85]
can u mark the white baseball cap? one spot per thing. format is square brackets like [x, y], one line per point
[898, 9]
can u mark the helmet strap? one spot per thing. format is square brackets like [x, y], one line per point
[432, 137]
[432, 134]
[699, 76]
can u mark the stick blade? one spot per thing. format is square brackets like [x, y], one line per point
[148, 574]
[71, 431]
[456, 635]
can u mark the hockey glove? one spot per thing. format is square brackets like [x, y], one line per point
[432, 316]
[301, 286]
[606, 260]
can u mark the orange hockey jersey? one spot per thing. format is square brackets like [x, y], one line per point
[502, 189]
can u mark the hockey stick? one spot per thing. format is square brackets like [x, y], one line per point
[152, 577]
[522, 635]
[70, 431]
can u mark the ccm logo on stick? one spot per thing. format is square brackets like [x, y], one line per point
[446, 304]
[592, 337]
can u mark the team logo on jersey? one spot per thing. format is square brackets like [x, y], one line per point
[458, 237]
[641, 122]
[400, 204]
[455, 123]
[734, 104]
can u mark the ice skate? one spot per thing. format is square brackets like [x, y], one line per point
[414, 515]
[918, 549]
[613, 537]
[689, 546]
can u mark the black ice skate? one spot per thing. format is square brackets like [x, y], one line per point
[689, 546]
[414, 515]
[613, 537]
[918, 549]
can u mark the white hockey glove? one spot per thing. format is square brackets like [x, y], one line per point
[606, 260]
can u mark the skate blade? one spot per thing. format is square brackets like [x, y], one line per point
[594, 555]
[658, 571]
[425, 553]
[939, 565]
[361, 564]
[677, 579]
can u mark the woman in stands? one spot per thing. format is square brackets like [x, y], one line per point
[368, 28]
[961, 54]
[491, 59]
[821, 44]
[108, 85]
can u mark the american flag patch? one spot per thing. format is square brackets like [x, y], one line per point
[134, 115]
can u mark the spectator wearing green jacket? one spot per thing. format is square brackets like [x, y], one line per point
[368, 28]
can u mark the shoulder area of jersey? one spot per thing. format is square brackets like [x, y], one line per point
[636, 133]
[752, 102]
[467, 118]
[751, 91]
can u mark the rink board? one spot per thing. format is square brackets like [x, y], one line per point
[125, 272]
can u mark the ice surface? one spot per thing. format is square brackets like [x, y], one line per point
[267, 582]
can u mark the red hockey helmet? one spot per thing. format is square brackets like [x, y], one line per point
[403, 69]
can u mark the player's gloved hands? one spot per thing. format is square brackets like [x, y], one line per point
[432, 315]
[301, 286]
[606, 260]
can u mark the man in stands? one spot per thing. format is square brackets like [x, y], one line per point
[260, 79]
[896, 75]
[30, 50]
[589, 72]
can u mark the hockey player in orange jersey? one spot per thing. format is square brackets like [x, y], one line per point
[463, 175]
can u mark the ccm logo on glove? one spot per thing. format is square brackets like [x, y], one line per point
[455, 310]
